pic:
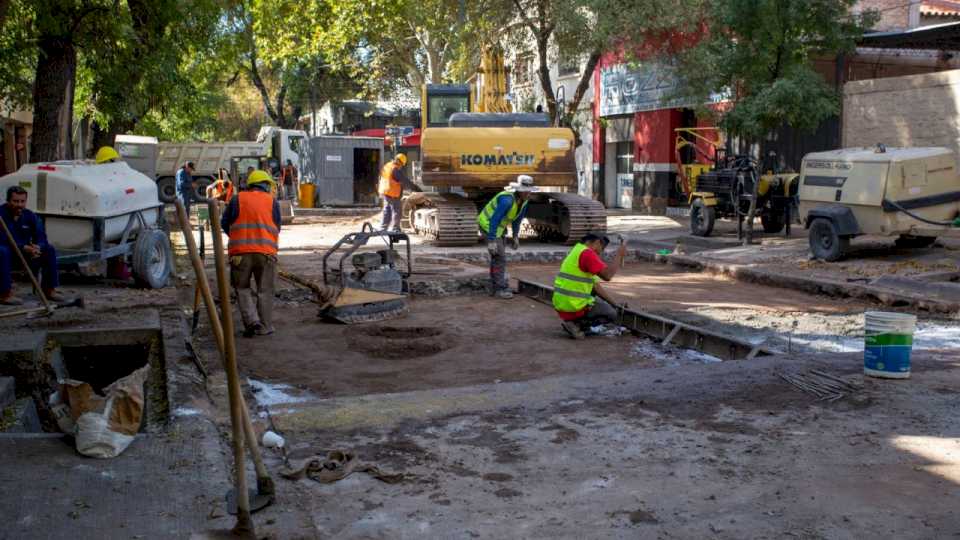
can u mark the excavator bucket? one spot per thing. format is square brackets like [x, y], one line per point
[361, 305]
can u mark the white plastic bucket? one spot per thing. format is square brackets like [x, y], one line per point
[888, 342]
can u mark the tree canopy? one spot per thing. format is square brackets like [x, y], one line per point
[761, 52]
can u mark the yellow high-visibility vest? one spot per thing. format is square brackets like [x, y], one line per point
[573, 288]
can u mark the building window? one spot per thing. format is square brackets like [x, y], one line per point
[568, 64]
[625, 157]
[523, 69]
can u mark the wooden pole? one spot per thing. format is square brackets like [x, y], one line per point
[24, 311]
[26, 267]
[244, 524]
[244, 521]
[265, 485]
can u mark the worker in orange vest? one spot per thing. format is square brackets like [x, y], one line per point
[252, 221]
[392, 180]
[289, 180]
[221, 190]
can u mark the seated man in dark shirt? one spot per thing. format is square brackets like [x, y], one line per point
[31, 240]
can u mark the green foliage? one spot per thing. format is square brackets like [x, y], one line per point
[151, 66]
[18, 55]
[761, 52]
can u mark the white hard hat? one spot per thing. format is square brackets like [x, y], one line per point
[524, 183]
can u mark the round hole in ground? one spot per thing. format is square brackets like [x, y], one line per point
[399, 342]
[401, 332]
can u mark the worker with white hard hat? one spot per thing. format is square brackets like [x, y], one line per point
[506, 209]
[252, 221]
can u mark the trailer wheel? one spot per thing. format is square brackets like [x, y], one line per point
[825, 243]
[167, 189]
[702, 218]
[915, 242]
[152, 259]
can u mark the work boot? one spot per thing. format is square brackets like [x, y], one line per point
[504, 294]
[262, 330]
[10, 300]
[573, 329]
[255, 329]
[54, 296]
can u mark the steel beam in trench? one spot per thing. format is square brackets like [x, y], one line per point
[668, 331]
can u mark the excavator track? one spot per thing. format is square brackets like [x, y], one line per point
[451, 220]
[565, 217]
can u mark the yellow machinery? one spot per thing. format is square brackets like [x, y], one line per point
[468, 156]
[726, 188]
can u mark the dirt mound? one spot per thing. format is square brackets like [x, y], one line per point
[400, 342]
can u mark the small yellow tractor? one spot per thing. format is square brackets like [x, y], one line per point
[728, 188]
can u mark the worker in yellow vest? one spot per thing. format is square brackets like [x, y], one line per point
[392, 180]
[506, 209]
[579, 299]
[252, 221]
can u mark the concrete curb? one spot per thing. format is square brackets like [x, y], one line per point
[827, 287]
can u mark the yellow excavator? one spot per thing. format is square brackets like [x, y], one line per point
[471, 149]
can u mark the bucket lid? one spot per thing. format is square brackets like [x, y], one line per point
[890, 316]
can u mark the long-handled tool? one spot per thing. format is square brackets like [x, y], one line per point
[42, 311]
[26, 267]
[265, 486]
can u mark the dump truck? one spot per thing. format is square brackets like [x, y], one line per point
[911, 194]
[160, 160]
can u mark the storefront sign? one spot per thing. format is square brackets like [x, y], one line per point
[647, 87]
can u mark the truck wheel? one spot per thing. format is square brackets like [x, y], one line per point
[702, 218]
[152, 259]
[772, 221]
[200, 195]
[167, 189]
[910, 241]
[825, 243]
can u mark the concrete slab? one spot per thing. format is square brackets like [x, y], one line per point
[164, 486]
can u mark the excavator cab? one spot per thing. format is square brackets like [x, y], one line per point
[441, 101]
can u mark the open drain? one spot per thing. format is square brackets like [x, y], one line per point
[36, 364]
[399, 342]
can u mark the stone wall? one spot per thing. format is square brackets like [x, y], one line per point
[916, 110]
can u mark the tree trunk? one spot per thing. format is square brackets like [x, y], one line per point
[584, 84]
[543, 42]
[4, 7]
[53, 100]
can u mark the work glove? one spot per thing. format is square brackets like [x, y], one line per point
[516, 243]
[492, 247]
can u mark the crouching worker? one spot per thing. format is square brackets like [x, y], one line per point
[252, 221]
[577, 296]
[27, 231]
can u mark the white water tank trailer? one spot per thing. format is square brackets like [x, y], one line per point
[96, 212]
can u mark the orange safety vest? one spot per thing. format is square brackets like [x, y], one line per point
[389, 186]
[254, 230]
[223, 190]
